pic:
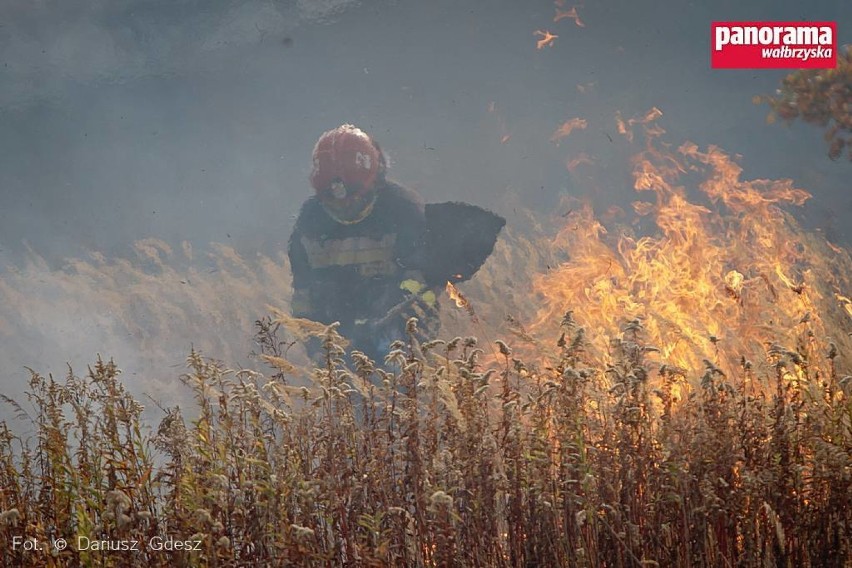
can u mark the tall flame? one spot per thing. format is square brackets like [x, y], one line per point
[730, 278]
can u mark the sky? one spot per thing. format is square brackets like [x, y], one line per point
[193, 120]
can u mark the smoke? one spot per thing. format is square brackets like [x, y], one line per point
[147, 312]
[192, 121]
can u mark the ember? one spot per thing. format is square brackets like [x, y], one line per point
[546, 40]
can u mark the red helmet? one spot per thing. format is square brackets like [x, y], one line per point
[349, 156]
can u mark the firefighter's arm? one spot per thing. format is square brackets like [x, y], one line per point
[412, 253]
[411, 246]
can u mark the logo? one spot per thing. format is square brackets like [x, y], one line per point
[773, 45]
[362, 160]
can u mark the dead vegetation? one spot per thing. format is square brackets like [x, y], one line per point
[436, 460]
[693, 408]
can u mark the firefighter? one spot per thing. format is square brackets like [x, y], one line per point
[357, 250]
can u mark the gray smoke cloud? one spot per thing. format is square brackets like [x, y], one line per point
[193, 120]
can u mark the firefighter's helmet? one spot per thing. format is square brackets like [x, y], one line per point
[346, 154]
[347, 165]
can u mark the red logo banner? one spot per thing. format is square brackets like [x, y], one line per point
[773, 45]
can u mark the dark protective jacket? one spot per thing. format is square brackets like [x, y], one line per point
[352, 273]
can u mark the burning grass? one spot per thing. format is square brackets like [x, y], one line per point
[676, 393]
[711, 264]
[438, 462]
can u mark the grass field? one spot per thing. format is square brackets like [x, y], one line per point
[676, 394]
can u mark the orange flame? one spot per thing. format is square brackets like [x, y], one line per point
[626, 128]
[847, 304]
[582, 158]
[567, 127]
[734, 270]
[572, 13]
[734, 283]
[456, 296]
[460, 300]
[546, 40]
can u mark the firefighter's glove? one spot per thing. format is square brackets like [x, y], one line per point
[411, 286]
[419, 289]
[429, 298]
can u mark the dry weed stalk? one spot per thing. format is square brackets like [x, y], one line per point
[435, 460]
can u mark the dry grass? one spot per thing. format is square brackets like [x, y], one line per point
[147, 311]
[636, 432]
[440, 463]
